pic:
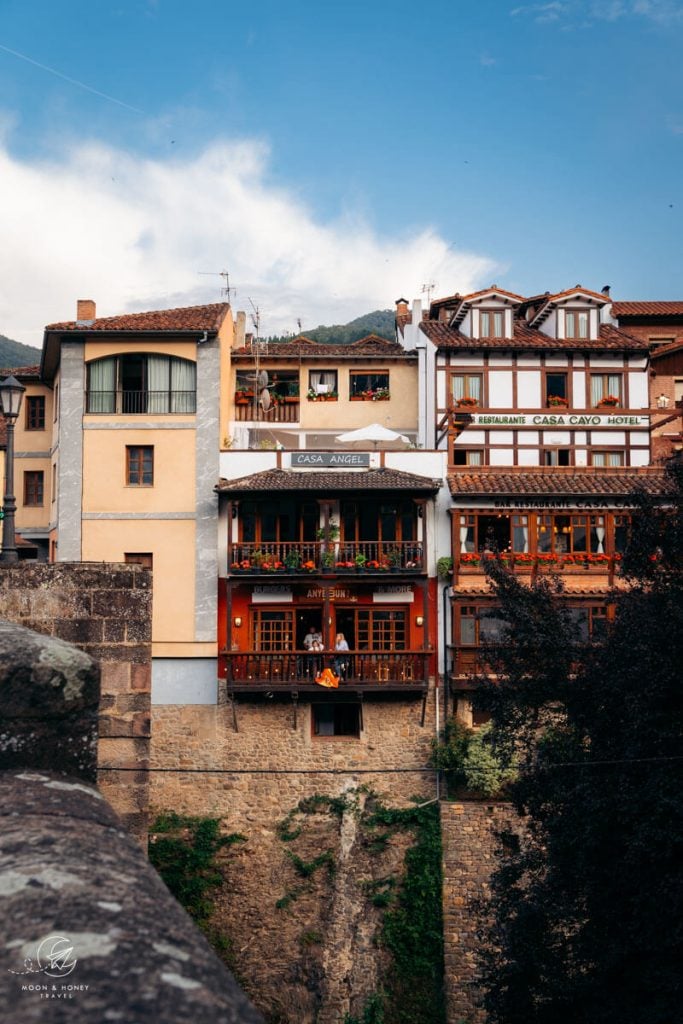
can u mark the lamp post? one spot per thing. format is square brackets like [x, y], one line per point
[11, 393]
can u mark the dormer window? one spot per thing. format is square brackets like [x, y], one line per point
[576, 323]
[492, 323]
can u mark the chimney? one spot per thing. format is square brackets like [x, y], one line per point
[85, 311]
[238, 331]
[605, 290]
[401, 307]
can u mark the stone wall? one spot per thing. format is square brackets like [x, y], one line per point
[469, 843]
[306, 948]
[106, 610]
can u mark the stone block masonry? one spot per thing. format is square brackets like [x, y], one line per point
[468, 831]
[106, 611]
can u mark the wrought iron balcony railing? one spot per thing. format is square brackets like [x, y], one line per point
[149, 403]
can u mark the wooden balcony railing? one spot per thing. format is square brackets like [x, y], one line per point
[300, 668]
[563, 563]
[284, 411]
[341, 557]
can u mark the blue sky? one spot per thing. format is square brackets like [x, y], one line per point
[334, 156]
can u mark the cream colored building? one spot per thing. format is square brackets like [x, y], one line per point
[133, 457]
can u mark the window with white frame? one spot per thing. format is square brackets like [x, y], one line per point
[323, 382]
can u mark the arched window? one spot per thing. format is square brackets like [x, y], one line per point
[140, 383]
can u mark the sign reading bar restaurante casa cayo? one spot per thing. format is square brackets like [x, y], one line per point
[579, 420]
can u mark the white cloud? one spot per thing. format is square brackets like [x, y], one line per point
[663, 12]
[133, 234]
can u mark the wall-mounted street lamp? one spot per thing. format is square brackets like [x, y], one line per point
[11, 393]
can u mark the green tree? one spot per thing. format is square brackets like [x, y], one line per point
[587, 905]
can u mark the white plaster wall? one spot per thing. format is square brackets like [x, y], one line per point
[638, 391]
[640, 457]
[580, 457]
[529, 389]
[236, 464]
[500, 389]
[470, 437]
[579, 390]
[524, 360]
[558, 437]
[639, 437]
[498, 360]
[502, 457]
[614, 363]
[500, 437]
[184, 681]
[557, 359]
[528, 457]
[610, 437]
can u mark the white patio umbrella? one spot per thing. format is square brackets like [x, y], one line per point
[374, 434]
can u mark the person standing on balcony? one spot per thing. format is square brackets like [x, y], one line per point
[341, 663]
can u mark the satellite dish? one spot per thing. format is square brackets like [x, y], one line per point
[264, 399]
[262, 379]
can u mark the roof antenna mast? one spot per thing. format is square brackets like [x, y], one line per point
[226, 290]
[427, 290]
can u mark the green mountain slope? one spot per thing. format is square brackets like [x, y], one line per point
[380, 321]
[13, 353]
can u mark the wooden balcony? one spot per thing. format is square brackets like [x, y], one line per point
[358, 671]
[285, 410]
[582, 564]
[343, 558]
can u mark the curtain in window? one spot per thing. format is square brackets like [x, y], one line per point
[458, 388]
[474, 458]
[102, 385]
[596, 389]
[614, 459]
[614, 384]
[323, 381]
[474, 387]
[183, 386]
[600, 534]
[157, 383]
[464, 532]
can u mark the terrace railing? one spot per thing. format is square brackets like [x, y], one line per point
[149, 403]
[300, 668]
[341, 557]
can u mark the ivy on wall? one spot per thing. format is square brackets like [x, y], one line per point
[411, 926]
[184, 850]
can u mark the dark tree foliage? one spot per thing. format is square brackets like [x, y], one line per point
[588, 906]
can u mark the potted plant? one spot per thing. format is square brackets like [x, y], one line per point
[292, 560]
[555, 400]
[395, 559]
[609, 400]
[328, 561]
[464, 403]
[444, 567]
[360, 561]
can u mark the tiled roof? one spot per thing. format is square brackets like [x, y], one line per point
[578, 288]
[620, 309]
[330, 480]
[494, 289]
[666, 350]
[20, 372]
[187, 318]
[369, 347]
[542, 481]
[525, 338]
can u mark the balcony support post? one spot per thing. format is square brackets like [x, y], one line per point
[295, 703]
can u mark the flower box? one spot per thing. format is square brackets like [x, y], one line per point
[608, 402]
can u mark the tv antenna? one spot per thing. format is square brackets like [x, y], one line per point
[427, 290]
[225, 289]
[298, 324]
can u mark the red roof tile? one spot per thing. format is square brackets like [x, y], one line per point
[666, 350]
[541, 482]
[330, 480]
[525, 338]
[25, 372]
[578, 288]
[369, 347]
[620, 309]
[187, 318]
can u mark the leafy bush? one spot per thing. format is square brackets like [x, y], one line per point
[470, 760]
